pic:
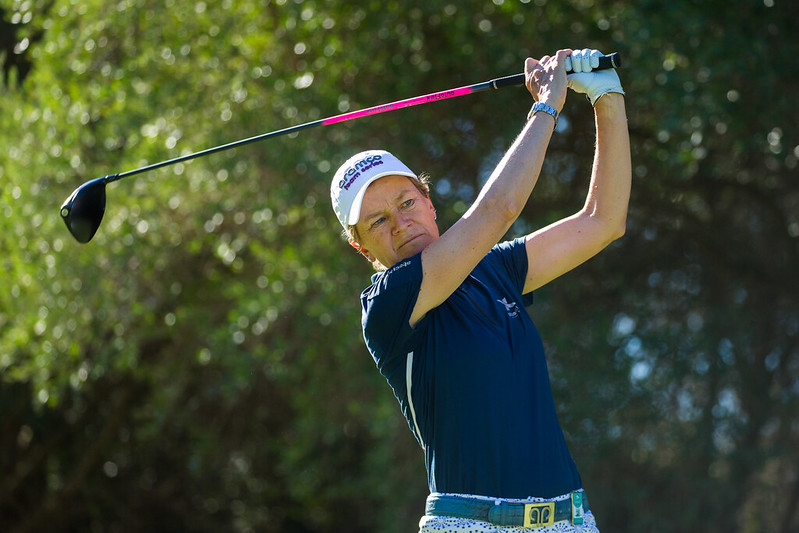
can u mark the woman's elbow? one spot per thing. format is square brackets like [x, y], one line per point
[608, 227]
[504, 210]
[618, 229]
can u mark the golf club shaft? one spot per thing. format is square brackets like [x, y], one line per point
[605, 62]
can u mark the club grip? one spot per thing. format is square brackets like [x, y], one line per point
[605, 62]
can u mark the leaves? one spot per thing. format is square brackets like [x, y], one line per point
[202, 356]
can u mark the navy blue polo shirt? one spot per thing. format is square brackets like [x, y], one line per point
[472, 380]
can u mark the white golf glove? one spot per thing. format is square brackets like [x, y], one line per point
[586, 81]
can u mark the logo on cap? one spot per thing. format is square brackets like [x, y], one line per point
[353, 172]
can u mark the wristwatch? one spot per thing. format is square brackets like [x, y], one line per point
[546, 108]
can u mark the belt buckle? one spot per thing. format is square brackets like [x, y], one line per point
[539, 514]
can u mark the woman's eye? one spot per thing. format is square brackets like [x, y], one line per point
[377, 222]
[407, 203]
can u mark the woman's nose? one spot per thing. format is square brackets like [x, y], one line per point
[401, 221]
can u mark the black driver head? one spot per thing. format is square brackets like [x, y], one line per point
[83, 210]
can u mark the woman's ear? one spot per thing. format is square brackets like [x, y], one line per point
[361, 250]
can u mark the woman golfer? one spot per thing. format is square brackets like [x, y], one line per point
[444, 317]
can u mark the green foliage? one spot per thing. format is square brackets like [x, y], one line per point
[199, 365]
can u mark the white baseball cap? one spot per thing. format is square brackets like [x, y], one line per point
[354, 176]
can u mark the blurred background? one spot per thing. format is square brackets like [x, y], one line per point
[199, 365]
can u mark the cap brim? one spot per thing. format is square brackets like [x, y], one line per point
[355, 209]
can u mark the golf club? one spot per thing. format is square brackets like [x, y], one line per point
[83, 210]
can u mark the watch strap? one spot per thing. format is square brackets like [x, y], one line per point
[546, 108]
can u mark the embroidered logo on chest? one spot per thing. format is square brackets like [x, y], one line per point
[511, 307]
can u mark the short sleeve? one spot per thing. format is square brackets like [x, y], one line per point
[512, 255]
[386, 310]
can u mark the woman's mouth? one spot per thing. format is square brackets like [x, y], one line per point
[408, 241]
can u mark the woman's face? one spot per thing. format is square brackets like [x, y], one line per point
[397, 221]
